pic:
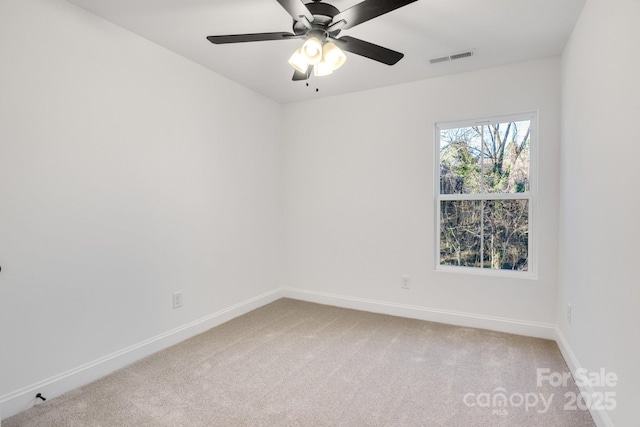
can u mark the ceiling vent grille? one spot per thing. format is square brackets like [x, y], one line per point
[441, 59]
[453, 56]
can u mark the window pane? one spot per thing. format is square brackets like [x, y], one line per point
[460, 153]
[506, 156]
[505, 236]
[460, 228]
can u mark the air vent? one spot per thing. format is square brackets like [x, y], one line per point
[453, 56]
[461, 55]
[442, 59]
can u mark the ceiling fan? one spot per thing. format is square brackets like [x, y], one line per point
[320, 24]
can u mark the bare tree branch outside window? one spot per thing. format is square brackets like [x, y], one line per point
[478, 226]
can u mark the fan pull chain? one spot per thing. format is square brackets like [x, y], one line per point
[307, 83]
[317, 89]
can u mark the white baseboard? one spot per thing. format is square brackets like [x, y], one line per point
[511, 326]
[20, 400]
[600, 417]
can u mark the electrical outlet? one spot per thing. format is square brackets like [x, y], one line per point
[569, 319]
[177, 300]
[405, 282]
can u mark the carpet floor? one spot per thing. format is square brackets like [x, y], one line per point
[294, 363]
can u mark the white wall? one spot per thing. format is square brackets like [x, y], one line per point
[359, 200]
[600, 205]
[126, 173]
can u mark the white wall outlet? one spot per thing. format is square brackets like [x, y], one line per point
[405, 282]
[177, 300]
[569, 314]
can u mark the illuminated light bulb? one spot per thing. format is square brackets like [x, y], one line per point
[312, 49]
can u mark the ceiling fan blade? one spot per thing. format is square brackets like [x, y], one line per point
[369, 50]
[257, 37]
[368, 9]
[297, 75]
[296, 9]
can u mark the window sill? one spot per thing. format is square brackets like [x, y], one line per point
[475, 271]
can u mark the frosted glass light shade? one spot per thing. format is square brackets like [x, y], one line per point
[333, 55]
[299, 61]
[312, 49]
[322, 69]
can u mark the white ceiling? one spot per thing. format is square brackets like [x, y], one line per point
[500, 31]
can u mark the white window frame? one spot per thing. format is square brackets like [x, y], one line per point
[531, 196]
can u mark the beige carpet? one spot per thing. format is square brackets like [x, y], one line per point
[294, 363]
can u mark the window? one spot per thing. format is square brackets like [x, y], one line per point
[486, 194]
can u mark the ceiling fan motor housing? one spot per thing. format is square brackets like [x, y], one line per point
[323, 14]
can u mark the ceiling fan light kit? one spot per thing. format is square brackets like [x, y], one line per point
[320, 24]
[324, 58]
